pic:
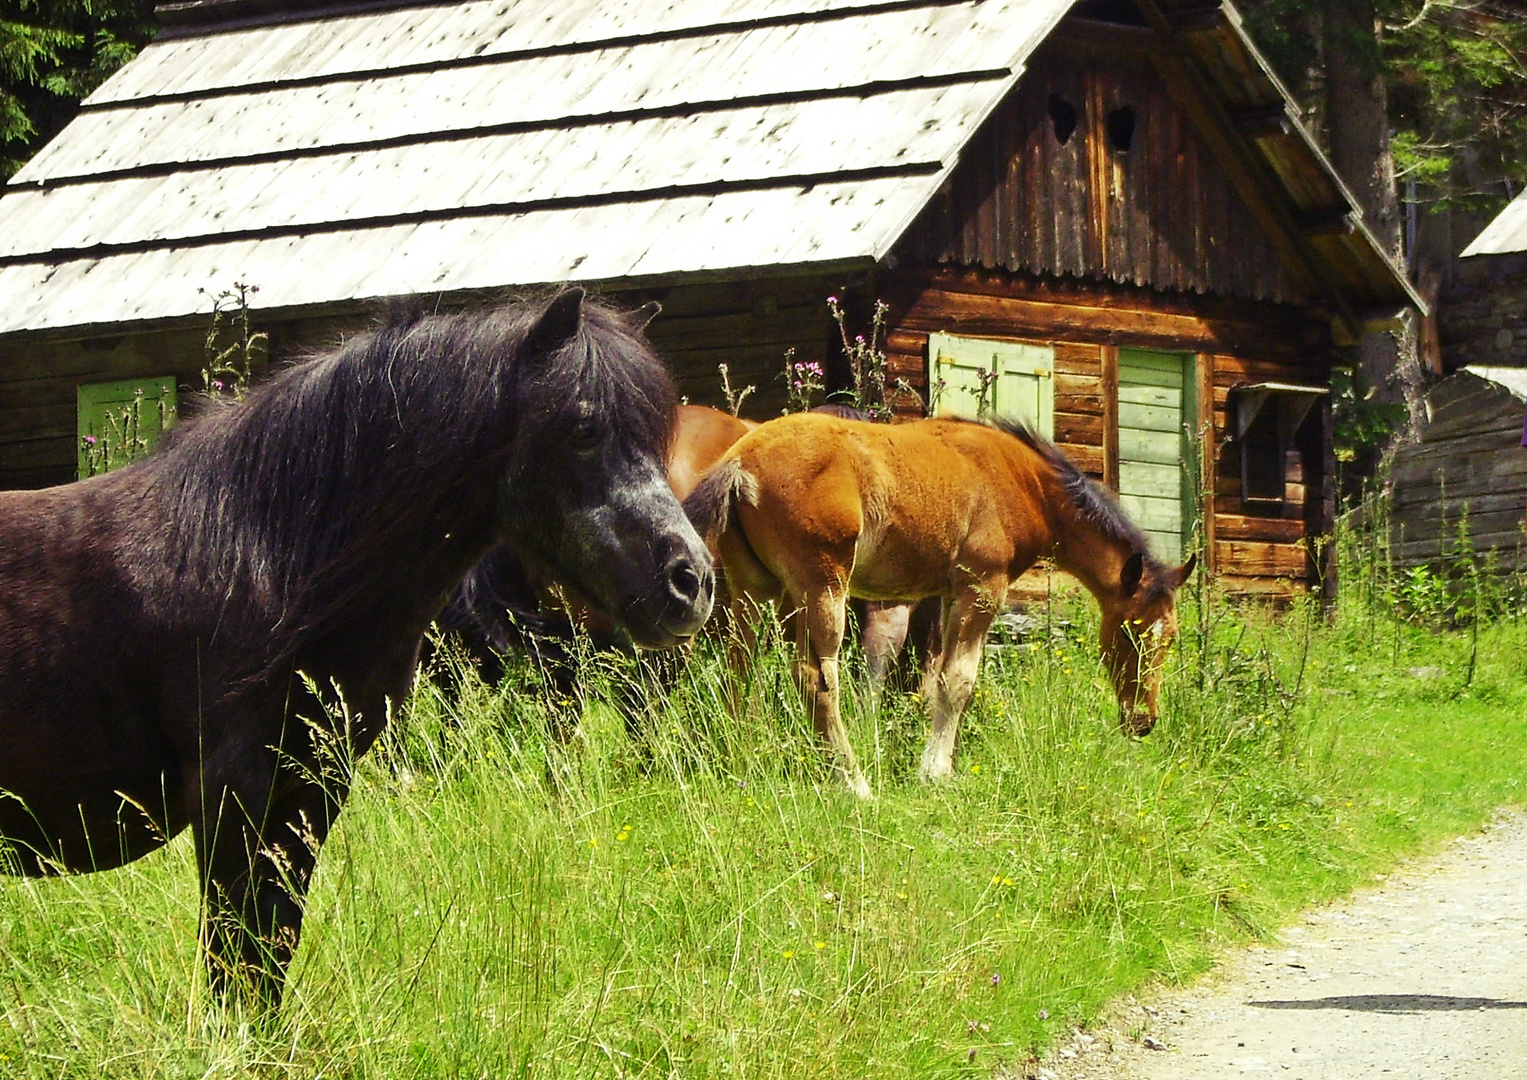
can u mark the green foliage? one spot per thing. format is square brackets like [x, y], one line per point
[1455, 74]
[1361, 427]
[52, 54]
[1458, 99]
[498, 901]
[232, 348]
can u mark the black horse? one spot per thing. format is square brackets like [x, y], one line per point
[177, 638]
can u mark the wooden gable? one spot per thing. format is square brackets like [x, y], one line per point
[1092, 169]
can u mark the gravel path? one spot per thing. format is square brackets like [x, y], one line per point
[1423, 976]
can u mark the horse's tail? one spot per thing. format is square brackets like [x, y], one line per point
[710, 505]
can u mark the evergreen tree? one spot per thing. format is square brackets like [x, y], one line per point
[52, 54]
[1452, 78]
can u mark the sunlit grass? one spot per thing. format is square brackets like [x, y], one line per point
[708, 903]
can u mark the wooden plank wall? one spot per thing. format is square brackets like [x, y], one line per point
[1256, 552]
[1163, 213]
[747, 325]
[38, 395]
[1469, 464]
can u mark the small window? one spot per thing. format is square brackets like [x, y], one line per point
[1062, 118]
[120, 422]
[976, 377]
[1264, 418]
[1262, 460]
[1121, 128]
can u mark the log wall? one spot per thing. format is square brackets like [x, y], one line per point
[1161, 213]
[1466, 476]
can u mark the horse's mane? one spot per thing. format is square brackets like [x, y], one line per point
[311, 498]
[1094, 504]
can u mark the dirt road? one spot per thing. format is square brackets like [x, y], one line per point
[1422, 977]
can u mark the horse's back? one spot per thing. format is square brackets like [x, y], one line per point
[898, 506]
[702, 438]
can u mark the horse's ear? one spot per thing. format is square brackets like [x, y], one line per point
[1186, 568]
[557, 323]
[1132, 572]
[644, 314]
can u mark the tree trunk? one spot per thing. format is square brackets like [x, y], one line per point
[1357, 124]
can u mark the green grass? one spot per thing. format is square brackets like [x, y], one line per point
[495, 904]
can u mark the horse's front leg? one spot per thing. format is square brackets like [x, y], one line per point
[819, 640]
[257, 840]
[952, 677]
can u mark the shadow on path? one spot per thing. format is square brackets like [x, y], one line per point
[1394, 1003]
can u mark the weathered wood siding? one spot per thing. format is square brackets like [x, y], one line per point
[1468, 474]
[1161, 213]
[1256, 551]
[1232, 343]
[747, 325]
[39, 395]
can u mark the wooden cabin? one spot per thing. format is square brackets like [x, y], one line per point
[1108, 210]
[1461, 490]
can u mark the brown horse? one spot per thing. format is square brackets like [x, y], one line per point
[810, 510]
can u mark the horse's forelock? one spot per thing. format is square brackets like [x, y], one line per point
[609, 365]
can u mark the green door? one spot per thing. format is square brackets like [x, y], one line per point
[121, 421]
[1156, 405]
[1021, 379]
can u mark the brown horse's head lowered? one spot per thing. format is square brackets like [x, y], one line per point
[1139, 626]
[1136, 593]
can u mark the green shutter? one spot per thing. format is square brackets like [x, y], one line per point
[121, 421]
[1156, 398]
[1024, 388]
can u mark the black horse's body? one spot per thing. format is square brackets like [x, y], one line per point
[177, 638]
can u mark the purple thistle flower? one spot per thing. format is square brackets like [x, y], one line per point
[89, 440]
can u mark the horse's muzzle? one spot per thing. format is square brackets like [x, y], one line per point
[678, 608]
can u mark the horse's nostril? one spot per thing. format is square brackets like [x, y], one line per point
[684, 580]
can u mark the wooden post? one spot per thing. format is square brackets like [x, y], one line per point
[1208, 453]
[1110, 395]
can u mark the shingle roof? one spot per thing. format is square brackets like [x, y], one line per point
[1506, 234]
[436, 148]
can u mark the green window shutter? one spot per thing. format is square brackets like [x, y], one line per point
[119, 422]
[1156, 398]
[1024, 388]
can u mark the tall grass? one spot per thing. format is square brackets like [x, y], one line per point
[706, 902]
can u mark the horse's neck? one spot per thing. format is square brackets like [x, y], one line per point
[1085, 550]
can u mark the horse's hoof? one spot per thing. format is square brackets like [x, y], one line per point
[936, 773]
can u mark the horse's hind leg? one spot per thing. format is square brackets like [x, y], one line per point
[883, 635]
[952, 677]
[820, 639]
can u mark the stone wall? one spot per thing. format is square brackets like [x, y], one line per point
[1483, 315]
